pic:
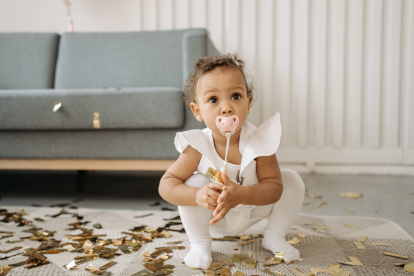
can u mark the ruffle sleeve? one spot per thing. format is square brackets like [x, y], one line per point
[263, 141]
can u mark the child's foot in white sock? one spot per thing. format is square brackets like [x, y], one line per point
[278, 244]
[199, 256]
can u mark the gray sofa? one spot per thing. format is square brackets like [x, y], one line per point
[133, 80]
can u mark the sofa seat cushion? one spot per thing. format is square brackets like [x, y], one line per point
[118, 108]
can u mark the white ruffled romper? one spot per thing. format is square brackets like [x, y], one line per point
[254, 142]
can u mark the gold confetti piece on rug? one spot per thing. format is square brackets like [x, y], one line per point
[247, 254]
[71, 265]
[301, 235]
[342, 273]
[237, 258]
[273, 272]
[15, 241]
[176, 242]
[87, 245]
[294, 261]
[108, 265]
[314, 271]
[363, 238]
[227, 261]
[352, 194]
[355, 260]
[307, 223]
[94, 270]
[225, 271]
[409, 267]
[321, 228]
[251, 262]
[5, 269]
[69, 247]
[350, 211]
[346, 263]
[382, 244]
[350, 225]
[396, 255]
[359, 245]
[269, 260]
[215, 266]
[295, 240]
[399, 264]
[297, 272]
[278, 257]
[409, 193]
[245, 242]
[166, 234]
[238, 273]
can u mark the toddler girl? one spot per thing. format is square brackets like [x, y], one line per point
[254, 186]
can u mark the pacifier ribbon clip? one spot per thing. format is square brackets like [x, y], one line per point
[229, 125]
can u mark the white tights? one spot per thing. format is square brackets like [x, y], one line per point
[281, 215]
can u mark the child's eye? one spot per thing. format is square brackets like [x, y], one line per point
[212, 100]
[236, 96]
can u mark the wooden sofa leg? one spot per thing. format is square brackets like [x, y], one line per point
[81, 180]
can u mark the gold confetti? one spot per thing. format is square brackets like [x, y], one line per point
[307, 223]
[273, 272]
[96, 120]
[352, 194]
[312, 195]
[363, 238]
[237, 257]
[399, 264]
[382, 244]
[396, 255]
[295, 240]
[94, 270]
[297, 272]
[247, 254]
[269, 260]
[225, 271]
[301, 235]
[321, 204]
[214, 175]
[57, 106]
[294, 261]
[355, 260]
[246, 242]
[227, 261]
[359, 245]
[350, 211]
[409, 267]
[350, 225]
[346, 263]
[166, 234]
[71, 265]
[238, 273]
[108, 265]
[251, 262]
[278, 257]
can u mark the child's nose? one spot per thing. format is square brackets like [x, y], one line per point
[226, 108]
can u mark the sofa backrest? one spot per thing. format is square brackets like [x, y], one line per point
[127, 59]
[27, 60]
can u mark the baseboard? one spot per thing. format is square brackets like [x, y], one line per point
[360, 169]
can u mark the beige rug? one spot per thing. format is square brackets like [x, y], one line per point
[317, 249]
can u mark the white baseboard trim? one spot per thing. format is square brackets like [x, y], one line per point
[342, 169]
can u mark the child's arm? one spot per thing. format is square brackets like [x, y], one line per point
[268, 191]
[173, 189]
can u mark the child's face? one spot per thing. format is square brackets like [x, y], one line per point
[221, 91]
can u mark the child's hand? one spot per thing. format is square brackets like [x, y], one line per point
[208, 195]
[229, 198]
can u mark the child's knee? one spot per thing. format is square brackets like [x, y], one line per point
[197, 180]
[292, 181]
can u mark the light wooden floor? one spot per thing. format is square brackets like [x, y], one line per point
[383, 196]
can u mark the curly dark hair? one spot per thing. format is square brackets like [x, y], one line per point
[207, 64]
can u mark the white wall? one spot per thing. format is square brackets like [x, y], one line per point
[341, 72]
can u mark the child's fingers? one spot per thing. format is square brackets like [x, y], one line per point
[211, 193]
[220, 206]
[219, 216]
[216, 186]
[223, 196]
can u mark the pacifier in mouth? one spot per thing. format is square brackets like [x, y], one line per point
[225, 123]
